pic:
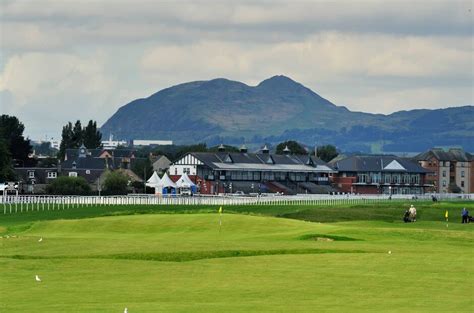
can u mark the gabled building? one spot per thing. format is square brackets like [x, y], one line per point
[35, 179]
[379, 174]
[223, 172]
[160, 163]
[450, 169]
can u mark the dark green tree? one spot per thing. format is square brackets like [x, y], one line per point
[115, 183]
[327, 152]
[77, 138]
[295, 147]
[66, 140]
[92, 138]
[73, 137]
[65, 185]
[200, 147]
[11, 131]
[142, 167]
[6, 170]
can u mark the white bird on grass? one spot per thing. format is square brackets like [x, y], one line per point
[125, 311]
[37, 278]
[389, 252]
[41, 239]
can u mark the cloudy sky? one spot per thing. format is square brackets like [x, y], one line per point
[65, 60]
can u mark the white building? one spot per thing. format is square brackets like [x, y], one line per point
[139, 142]
[112, 144]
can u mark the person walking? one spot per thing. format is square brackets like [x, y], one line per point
[465, 216]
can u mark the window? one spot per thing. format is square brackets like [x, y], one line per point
[72, 174]
[31, 174]
[88, 172]
[362, 178]
[444, 173]
[176, 171]
[52, 174]
[444, 183]
[462, 183]
[462, 173]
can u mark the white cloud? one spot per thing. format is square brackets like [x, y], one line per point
[370, 55]
[50, 89]
[329, 55]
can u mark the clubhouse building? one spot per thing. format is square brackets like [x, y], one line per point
[379, 174]
[228, 172]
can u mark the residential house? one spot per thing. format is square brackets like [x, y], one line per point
[451, 170]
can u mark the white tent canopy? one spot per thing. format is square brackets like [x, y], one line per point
[166, 182]
[153, 181]
[184, 181]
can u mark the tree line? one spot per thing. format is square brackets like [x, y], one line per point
[73, 136]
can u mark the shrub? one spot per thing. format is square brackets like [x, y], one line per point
[116, 183]
[65, 185]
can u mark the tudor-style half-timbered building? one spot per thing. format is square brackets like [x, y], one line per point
[223, 172]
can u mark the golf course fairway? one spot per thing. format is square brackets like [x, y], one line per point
[162, 262]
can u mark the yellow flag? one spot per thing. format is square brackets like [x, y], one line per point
[220, 210]
[446, 214]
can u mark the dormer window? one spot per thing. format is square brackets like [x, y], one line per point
[74, 165]
[82, 151]
[310, 161]
[228, 159]
[270, 160]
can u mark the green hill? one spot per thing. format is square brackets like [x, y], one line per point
[279, 109]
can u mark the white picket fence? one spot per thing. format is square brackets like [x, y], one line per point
[19, 204]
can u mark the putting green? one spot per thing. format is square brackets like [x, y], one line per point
[186, 263]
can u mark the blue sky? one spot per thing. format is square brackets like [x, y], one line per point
[67, 60]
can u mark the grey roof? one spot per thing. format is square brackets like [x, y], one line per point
[95, 153]
[377, 163]
[88, 163]
[262, 162]
[442, 155]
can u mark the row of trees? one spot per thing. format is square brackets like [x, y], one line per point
[73, 136]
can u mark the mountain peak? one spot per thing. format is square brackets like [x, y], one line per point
[278, 81]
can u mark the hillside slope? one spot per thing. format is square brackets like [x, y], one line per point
[277, 109]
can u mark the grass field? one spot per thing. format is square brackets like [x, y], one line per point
[263, 259]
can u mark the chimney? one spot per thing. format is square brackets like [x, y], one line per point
[243, 149]
[221, 148]
[265, 150]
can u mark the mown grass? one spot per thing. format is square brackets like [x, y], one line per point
[105, 259]
[391, 211]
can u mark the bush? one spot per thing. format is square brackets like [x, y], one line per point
[65, 185]
[116, 183]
